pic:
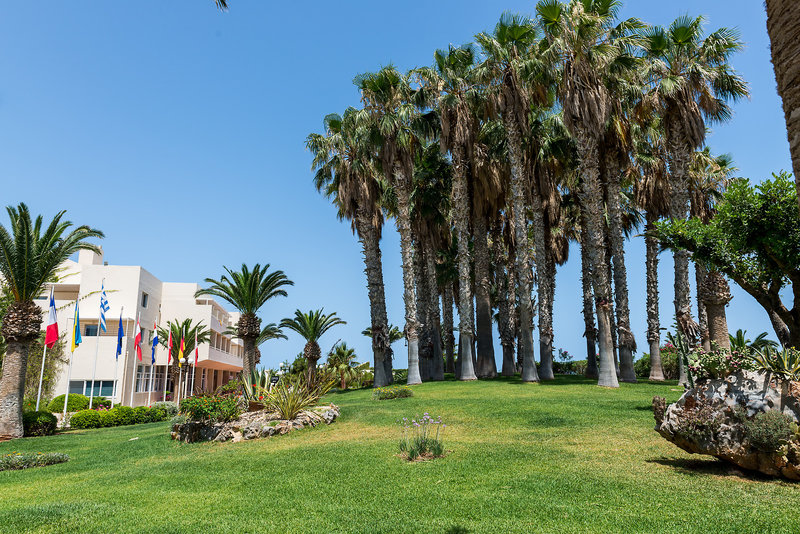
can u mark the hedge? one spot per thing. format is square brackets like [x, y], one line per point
[41, 423]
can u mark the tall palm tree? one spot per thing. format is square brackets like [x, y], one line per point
[692, 82]
[311, 326]
[388, 97]
[247, 291]
[30, 255]
[346, 172]
[783, 26]
[268, 332]
[580, 35]
[509, 61]
[185, 330]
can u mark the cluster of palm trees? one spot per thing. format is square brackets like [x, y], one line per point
[572, 125]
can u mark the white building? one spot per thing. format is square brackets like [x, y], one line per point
[132, 291]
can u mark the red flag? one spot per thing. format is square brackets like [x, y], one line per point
[169, 346]
[196, 350]
[137, 340]
[51, 336]
[180, 352]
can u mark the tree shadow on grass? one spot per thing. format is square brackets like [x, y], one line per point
[713, 467]
[457, 529]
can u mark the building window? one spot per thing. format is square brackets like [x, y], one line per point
[141, 378]
[145, 299]
[104, 388]
[76, 387]
[90, 330]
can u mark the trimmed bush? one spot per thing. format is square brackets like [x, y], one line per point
[109, 417]
[141, 414]
[100, 402]
[158, 414]
[41, 423]
[21, 460]
[86, 419]
[125, 414]
[392, 392]
[169, 407]
[211, 408]
[75, 403]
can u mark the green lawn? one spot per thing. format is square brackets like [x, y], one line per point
[564, 456]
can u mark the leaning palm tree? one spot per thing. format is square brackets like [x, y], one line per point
[30, 254]
[311, 326]
[247, 291]
[693, 81]
[185, 330]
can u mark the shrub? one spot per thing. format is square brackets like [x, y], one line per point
[669, 364]
[212, 408]
[86, 419]
[717, 363]
[785, 363]
[141, 414]
[769, 431]
[100, 402]
[158, 414]
[399, 375]
[125, 414]
[41, 423]
[75, 403]
[178, 420]
[579, 366]
[232, 388]
[20, 460]
[421, 438]
[109, 417]
[295, 393]
[699, 423]
[169, 407]
[392, 392]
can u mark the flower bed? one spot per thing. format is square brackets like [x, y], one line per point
[21, 460]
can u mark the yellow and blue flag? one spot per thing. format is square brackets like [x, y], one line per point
[76, 330]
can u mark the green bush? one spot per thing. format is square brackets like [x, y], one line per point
[210, 408]
[125, 414]
[669, 364]
[21, 460]
[100, 402]
[141, 414]
[169, 407]
[158, 414]
[399, 375]
[579, 367]
[41, 423]
[109, 417]
[75, 403]
[392, 392]
[178, 420]
[86, 419]
[769, 431]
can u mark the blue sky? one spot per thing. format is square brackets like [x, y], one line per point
[179, 131]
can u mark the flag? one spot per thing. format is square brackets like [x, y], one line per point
[169, 345]
[103, 307]
[51, 335]
[196, 350]
[155, 342]
[76, 330]
[137, 340]
[180, 352]
[120, 334]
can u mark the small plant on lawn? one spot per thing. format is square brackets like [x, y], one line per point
[421, 438]
[169, 407]
[41, 423]
[211, 408]
[22, 460]
[392, 392]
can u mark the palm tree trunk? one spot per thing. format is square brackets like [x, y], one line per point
[653, 326]
[425, 345]
[447, 319]
[783, 26]
[589, 331]
[522, 249]
[379, 322]
[679, 206]
[487, 367]
[435, 327]
[506, 298]
[716, 294]
[613, 316]
[591, 202]
[12, 388]
[461, 220]
[626, 340]
[543, 289]
[702, 315]
[404, 229]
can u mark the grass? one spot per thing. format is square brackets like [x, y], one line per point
[564, 456]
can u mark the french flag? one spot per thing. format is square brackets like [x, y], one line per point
[51, 335]
[137, 340]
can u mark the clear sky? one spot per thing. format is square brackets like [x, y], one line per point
[179, 131]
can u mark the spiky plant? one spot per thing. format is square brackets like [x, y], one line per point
[247, 291]
[30, 254]
[311, 326]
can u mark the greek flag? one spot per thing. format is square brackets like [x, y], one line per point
[103, 306]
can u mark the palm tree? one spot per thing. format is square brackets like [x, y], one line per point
[341, 360]
[783, 22]
[247, 291]
[741, 343]
[692, 83]
[509, 61]
[345, 171]
[30, 255]
[387, 96]
[579, 35]
[311, 326]
[187, 331]
[268, 332]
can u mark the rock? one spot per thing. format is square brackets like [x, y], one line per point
[252, 425]
[710, 419]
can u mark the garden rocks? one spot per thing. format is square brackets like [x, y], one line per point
[253, 425]
[716, 415]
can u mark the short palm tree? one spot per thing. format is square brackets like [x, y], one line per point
[189, 332]
[342, 361]
[247, 291]
[741, 343]
[311, 326]
[30, 254]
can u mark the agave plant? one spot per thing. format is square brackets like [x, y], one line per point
[258, 381]
[293, 394]
[681, 345]
[784, 363]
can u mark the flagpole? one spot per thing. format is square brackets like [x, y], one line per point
[133, 380]
[69, 377]
[116, 367]
[180, 375]
[150, 386]
[44, 356]
[194, 372]
[96, 346]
